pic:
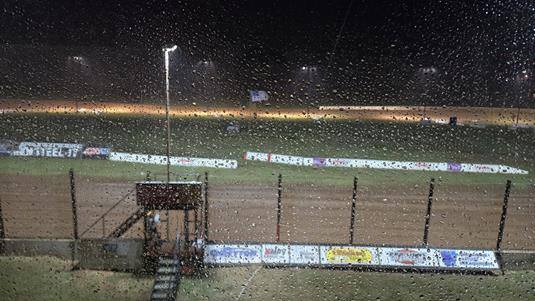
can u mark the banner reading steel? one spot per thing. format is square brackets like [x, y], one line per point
[349, 255]
[54, 150]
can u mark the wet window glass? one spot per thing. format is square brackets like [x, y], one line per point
[267, 150]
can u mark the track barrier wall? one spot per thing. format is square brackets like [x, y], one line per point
[381, 164]
[126, 255]
[72, 150]
[351, 256]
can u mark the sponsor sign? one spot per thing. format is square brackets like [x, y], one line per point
[408, 257]
[55, 150]
[468, 259]
[325, 255]
[96, 152]
[383, 164]
[272, 253]
[177, 161]
[348, 255]
[233, 254]
[454, 166]
[421, 165]
[318, 162]
[304, 255]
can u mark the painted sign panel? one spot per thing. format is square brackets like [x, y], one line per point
[304, 255]
[233, 254]
[349, 255]
[42, 149]
[272, 253]
[468, 259]
[409, 257]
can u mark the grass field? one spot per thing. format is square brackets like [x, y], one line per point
[206, 137]
[47, 278]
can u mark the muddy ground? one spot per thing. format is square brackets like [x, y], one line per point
[463, 215]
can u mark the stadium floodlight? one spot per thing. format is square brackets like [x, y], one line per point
[166, 51]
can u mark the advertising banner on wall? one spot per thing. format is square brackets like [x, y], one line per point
[468, 259]
[54, 150]
[96, 153]
[351, 255]
[275, 254]
[348, 255]
[233, 254]
[304, 255]
[408, 257]
[382, 164]
[176, 161]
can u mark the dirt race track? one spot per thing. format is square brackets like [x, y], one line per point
[463, 216]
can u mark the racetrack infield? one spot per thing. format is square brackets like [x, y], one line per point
[463, 215]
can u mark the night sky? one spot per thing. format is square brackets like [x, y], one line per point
[491, 40]
[278, 26]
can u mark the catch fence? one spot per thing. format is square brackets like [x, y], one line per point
[466, 216]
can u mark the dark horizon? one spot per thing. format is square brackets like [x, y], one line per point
[362, 52]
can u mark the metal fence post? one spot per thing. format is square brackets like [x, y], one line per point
[74, 217]
[206, 205]
[353, 211]
[2, 230]
[279, 207]
[73, 203]
[504, 215]
[428, 214]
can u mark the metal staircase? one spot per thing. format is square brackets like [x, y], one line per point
[127, 224]
[167, 279]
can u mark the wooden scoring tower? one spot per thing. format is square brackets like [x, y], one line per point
[184, 196]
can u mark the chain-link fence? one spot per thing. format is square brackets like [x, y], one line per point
[385, 213]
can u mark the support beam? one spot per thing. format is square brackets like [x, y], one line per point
[504, 215]
[74, 218]
[73, 203]
[279, 208]
[206, 206]
[353, 212]
[428, 213]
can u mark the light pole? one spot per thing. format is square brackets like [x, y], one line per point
[426, 76]
[522, 79]
[168, 124]
[308, 77]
